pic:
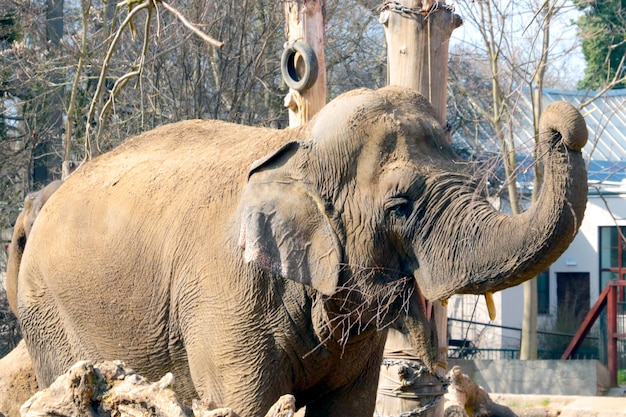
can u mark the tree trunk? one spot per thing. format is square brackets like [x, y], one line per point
[417, 49]
[305, 22]
[417, 36]
[54, 21]
[44, 154]
[528, 344]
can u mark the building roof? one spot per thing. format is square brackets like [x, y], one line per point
[605, 115]
[606, 120]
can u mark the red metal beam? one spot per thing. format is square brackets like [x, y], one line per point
[611, 307]
[608, 297]
[590, 319]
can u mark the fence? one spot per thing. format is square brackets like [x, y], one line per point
[551, 345]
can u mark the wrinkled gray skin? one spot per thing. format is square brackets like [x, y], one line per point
[23, 224]
[253, 262]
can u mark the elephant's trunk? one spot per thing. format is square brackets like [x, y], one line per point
[489, 250]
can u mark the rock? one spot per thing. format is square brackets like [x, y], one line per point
[454, 411]
[17, 380]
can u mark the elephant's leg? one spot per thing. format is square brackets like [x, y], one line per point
[357, 399]
[204, 373]
[234, 382]
[48, 345]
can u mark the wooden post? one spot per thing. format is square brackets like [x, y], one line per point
[417, 47]
[305, 23]
[417, 35]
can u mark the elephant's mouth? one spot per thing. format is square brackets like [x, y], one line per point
[417, 324]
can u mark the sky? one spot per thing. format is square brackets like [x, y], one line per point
[564, 38]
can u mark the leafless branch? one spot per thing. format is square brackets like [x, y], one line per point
[358, 308]
[138, 70]
[103, 72]
[187, 24]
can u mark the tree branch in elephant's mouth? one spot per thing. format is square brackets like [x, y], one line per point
[359, 307]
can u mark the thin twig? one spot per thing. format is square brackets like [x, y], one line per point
[137, 71]
[190, 26]
[103, 73]
[119, 84]
[72, 105]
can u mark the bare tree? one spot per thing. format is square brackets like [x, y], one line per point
[516, 49]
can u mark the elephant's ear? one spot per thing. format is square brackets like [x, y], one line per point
[283, 153]
[285, 230]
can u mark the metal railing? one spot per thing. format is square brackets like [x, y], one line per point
[482, 353]
[551, 344]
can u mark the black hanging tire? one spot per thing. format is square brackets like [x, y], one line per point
[288, 66]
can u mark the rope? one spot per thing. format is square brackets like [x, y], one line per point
[410, 370]
[407, 11]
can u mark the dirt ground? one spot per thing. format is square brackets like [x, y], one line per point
[613, 405]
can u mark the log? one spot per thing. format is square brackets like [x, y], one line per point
[464, 394]
[110, 388]
[417, 33]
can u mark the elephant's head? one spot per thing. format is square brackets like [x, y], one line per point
[33, 204]
[374, 210]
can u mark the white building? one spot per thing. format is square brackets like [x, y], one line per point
[573, 283]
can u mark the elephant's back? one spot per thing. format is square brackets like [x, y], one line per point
[179, 179]
[195, 153]
[162, 179]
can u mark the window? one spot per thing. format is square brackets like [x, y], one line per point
[543, 292]
[572, 298]
[612, 254]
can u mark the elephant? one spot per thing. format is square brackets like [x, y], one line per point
[23, 224]
[252, 262]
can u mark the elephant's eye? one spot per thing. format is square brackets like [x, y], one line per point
[398, 206]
